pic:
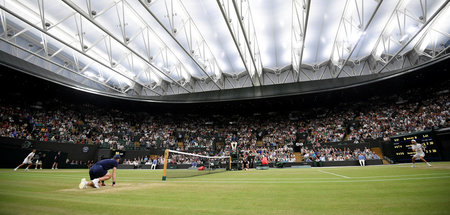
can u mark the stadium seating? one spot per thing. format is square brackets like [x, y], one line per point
[272, 134]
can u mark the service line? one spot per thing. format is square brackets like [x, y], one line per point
[343, 176]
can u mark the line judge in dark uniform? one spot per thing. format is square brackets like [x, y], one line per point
[56, 160]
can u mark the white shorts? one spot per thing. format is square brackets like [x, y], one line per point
[26, 161]
[418, 155]
[38, 162]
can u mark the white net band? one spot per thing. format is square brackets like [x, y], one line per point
[196, 155]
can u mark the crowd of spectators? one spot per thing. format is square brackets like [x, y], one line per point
[383, 121]
[269, 134]
[145, 160]
[73, 164]
[336, 154]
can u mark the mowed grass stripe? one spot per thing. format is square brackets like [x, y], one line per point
[285, 207]
[281, 181]
[250, 180]
[284, 174]
[391, 190]
[116, 203]
[313, 182]
[302, 178]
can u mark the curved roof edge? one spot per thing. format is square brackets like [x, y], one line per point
[249, 93]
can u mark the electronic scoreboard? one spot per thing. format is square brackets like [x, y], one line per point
[403, 151]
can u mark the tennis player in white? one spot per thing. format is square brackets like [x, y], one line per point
[28, 160]
[418, 148]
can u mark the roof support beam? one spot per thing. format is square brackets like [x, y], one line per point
[198, 47]
[89, 18]
[360, 14]
[58, 65]
[337, 33]
[397, 21]
[432, 18]
[68, 45]
[421, 45]
[4, 24]
[375, 52]
[165, 52]
[300, 16]
[249, 51]
[246, 22]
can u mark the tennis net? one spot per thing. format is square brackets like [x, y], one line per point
[182, 164]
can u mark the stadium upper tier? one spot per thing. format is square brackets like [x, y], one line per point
[195, 50]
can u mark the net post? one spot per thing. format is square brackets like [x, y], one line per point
[166, 156]
[229, 164]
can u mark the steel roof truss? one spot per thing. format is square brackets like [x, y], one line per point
[122, 42]
[236, 29]
[429, 21]
[300, 16]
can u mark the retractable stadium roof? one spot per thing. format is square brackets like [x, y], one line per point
[210, 50]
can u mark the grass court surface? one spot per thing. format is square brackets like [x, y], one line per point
[388, 189]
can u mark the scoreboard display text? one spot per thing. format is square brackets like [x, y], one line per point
[403, 151]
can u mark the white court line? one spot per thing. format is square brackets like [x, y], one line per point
[343, 176]
[315, 178]
[368, 166]
[405, 175]
[296, 182]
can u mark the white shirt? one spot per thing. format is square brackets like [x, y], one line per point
[418, 148]
[30, 156]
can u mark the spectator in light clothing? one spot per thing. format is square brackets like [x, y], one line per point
[154, 164]
[194, 164]
[362, 160]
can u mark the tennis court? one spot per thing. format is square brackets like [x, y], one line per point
[387, 189]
